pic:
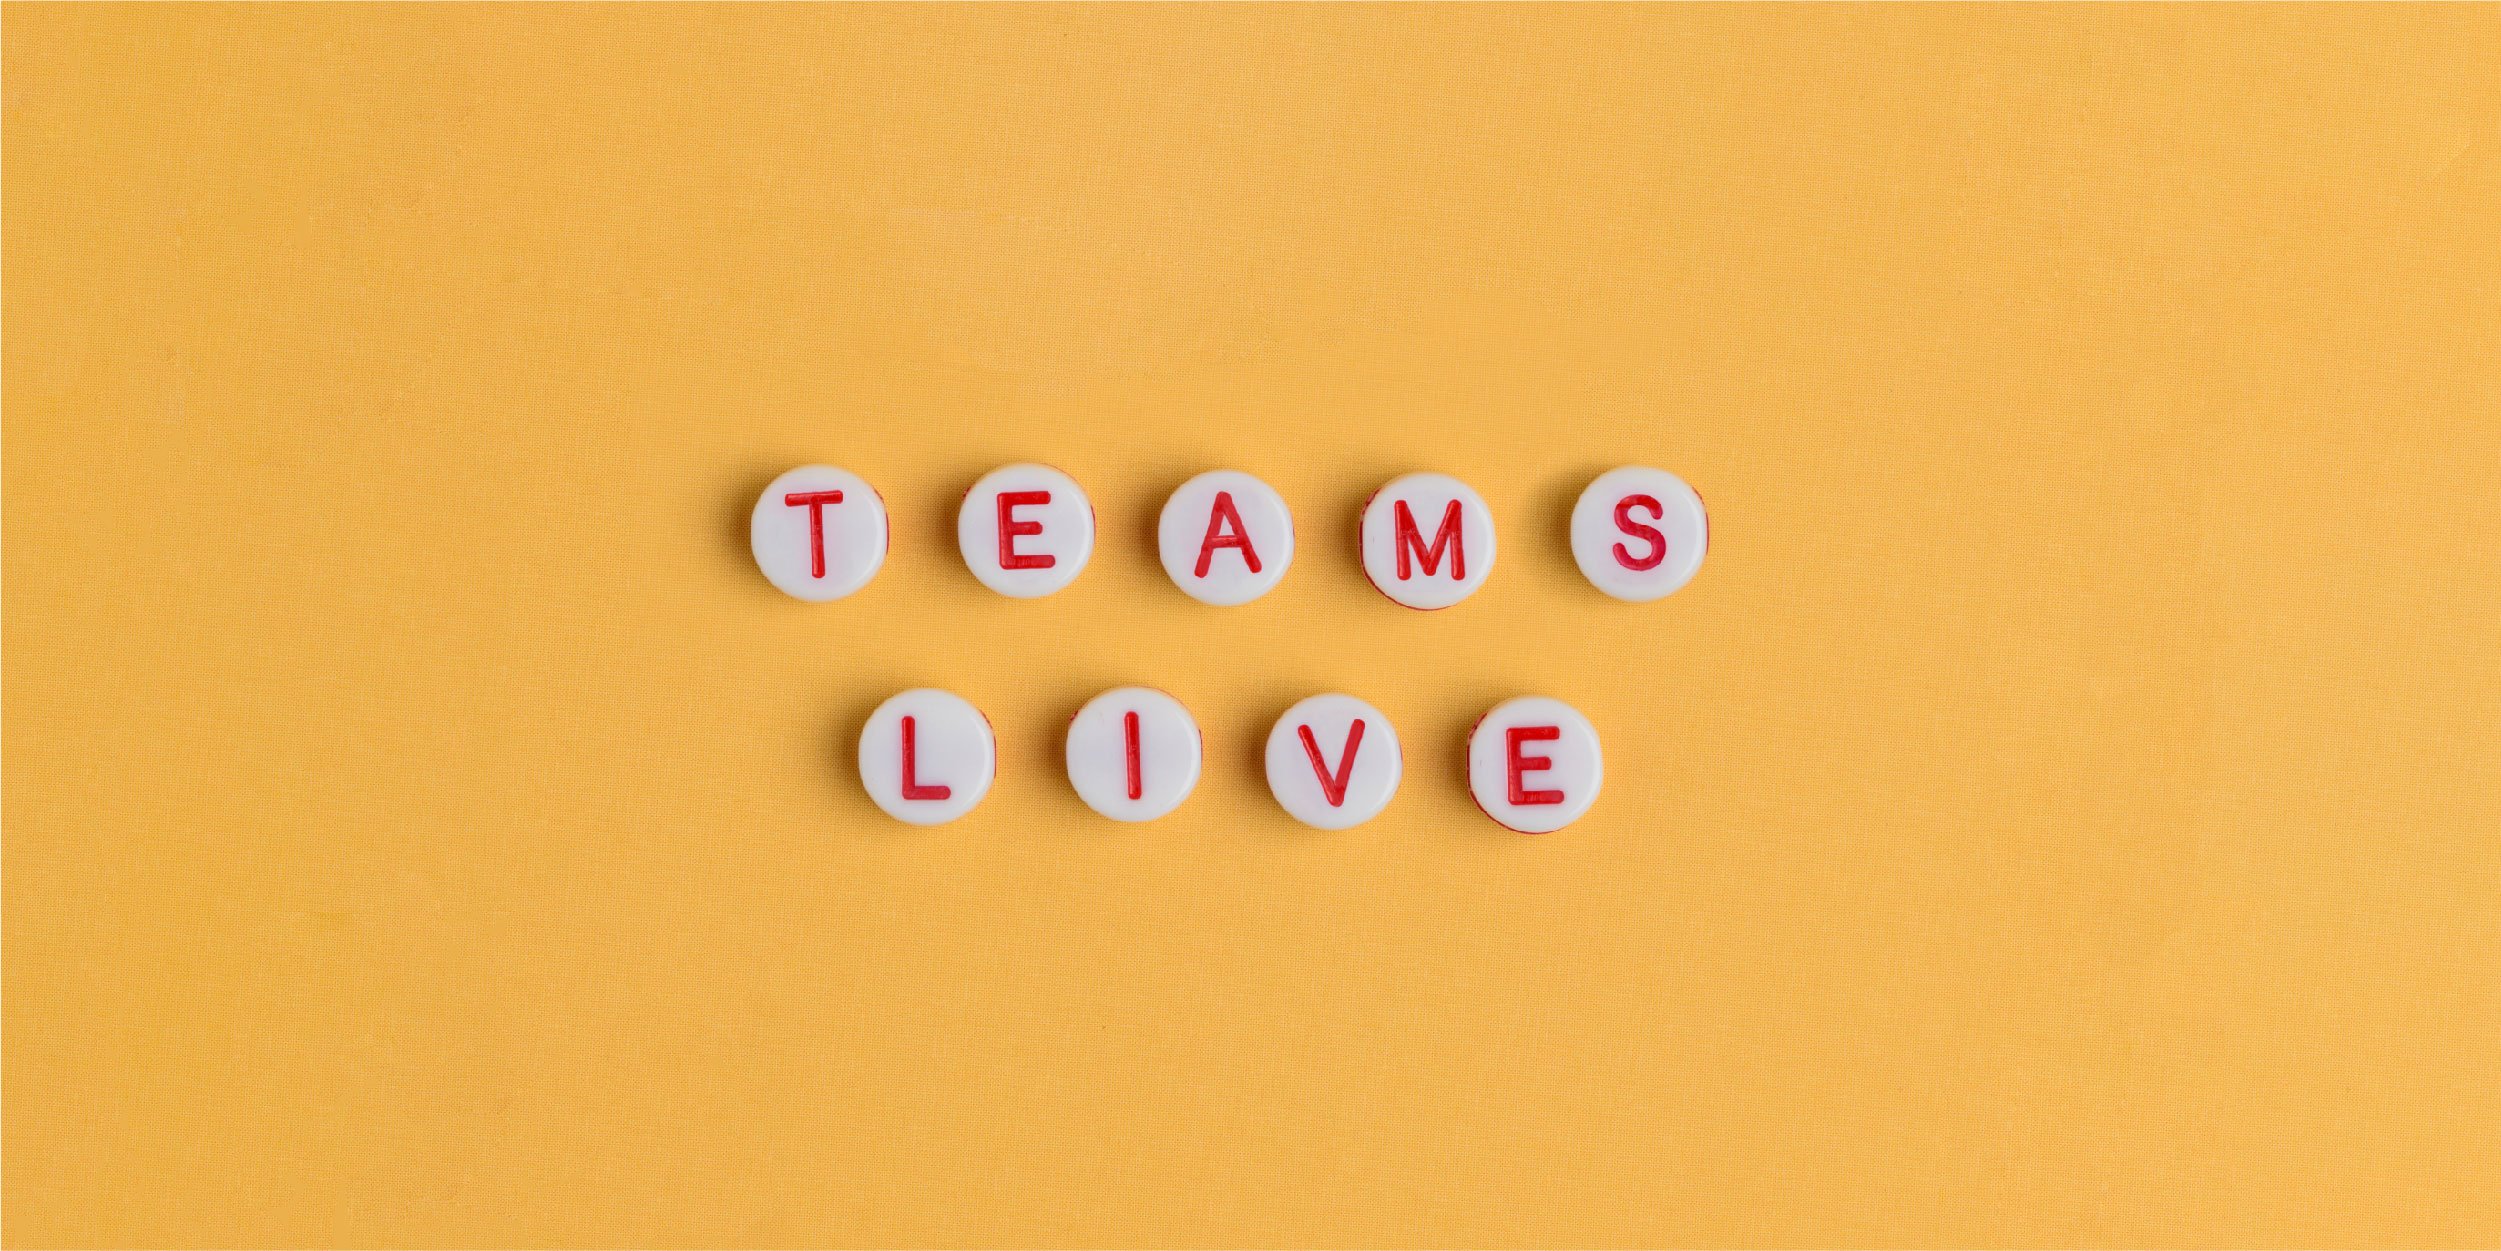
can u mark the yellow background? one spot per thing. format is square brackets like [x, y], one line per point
[2064, 810]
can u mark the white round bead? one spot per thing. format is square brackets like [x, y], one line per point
[818, 532]
[1333, 761]
[1133, 753]
[1534, 764]
[1428, 540]
[1025, 530]
[1638, 534]
[927, 757]
[1225, 537]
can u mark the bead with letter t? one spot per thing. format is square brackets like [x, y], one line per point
[818, 532]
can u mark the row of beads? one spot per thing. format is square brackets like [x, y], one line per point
[1226, 537]
[1134, 753]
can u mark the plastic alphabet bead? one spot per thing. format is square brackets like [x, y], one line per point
[927, 757]
[1428, 540]
[1025, 530]
[1333, 762]
[1225, 537]
[1534, 764]
[1133, 753]
[1639, 534]
[818, 532]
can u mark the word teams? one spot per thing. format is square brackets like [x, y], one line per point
[1426, 540]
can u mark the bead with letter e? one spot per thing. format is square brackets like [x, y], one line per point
[1534, 764]
[1025, 530]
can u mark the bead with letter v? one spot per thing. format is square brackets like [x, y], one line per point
[1333, 762]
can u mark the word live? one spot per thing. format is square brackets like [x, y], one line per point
[1225, 538]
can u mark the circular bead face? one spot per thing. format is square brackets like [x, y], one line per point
[1025, 530]
[818, 532]
[927, 757]
[1638, 534]
[1225, 537]
[1428, 540]
[1534, 765]
[1133, 753]
[1333, 761]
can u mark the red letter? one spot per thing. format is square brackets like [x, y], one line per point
[1137, 770]
[1519, 765]
[1624, 522]
[912, 789]
[1333, 786]
[1009, 528]
[1407, 537]
[814, 502]
[1240, 537]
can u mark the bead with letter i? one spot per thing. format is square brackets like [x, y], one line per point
[1133, 753]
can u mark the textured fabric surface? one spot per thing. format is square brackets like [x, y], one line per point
[2062, 811]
